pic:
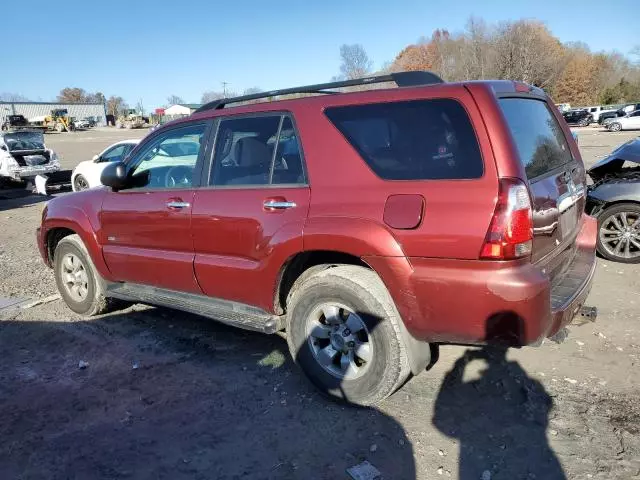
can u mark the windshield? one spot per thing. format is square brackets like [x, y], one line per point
[24, 141]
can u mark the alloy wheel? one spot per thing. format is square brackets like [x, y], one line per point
[81, 183]
[74, 277]
[339, 340]
[620, 235]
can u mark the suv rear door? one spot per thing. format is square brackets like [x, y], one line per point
[556, 179]
[250, 217]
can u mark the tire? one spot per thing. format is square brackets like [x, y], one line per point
[94, 302]
[80, 183]
[614, 127]
[583, 123]
[606, 224]
[347, 290]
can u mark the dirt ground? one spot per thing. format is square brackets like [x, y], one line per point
[167, 395]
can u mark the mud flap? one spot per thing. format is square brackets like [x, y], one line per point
[55, 181]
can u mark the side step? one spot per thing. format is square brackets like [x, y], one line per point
[231, 313]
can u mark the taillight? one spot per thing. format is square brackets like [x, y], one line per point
[510, 234]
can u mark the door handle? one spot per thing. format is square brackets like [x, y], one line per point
[175, 205]
[278, 205]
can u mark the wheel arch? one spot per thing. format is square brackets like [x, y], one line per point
[74, 222]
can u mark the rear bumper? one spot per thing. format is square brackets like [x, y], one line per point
[476, 302]
[29, 172]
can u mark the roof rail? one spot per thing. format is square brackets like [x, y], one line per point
[401, 79]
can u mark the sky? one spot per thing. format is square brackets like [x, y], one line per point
[148, 50]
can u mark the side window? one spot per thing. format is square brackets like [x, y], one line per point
[256, 151]
[635, 114]
[116, 154]
[169, 160]
[414, 140]
[287, 165]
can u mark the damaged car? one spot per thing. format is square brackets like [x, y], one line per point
[24, 155]
[614, 199]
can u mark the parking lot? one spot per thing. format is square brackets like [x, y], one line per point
[165, 394]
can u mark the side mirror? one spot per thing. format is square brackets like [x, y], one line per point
[114, 176]
[3, 147]
[96, 158]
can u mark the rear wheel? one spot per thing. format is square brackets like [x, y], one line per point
[80, 183]
[615, 127]
[619, 233]
[343, 331]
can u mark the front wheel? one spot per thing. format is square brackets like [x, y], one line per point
[343, 331]
[619, 233]
[615, 127]
[77, 279]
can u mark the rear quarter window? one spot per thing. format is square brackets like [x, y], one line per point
[539, 139]
[415, 140]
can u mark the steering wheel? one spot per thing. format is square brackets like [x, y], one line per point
[178, 176]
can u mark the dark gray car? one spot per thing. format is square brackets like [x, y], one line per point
[614, 199]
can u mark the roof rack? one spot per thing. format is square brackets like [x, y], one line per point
[401, 79]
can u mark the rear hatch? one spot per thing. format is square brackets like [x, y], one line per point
[556, 180]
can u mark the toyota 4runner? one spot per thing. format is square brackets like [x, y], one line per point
[368, 225]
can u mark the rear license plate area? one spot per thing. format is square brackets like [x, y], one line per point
[568, 221]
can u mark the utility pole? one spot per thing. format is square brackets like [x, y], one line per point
[224, 89]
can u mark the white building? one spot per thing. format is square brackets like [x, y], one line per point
[182, 109]
[39, 109]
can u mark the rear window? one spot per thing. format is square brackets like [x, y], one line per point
[537, 134]
[416, 140]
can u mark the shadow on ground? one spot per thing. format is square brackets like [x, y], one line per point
[170, 395]
[499, 418]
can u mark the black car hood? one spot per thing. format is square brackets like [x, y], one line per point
[627, 152]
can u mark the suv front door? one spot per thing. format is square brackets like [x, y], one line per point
[145, 231]
[250, 217]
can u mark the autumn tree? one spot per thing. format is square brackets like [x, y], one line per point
[355, 63]
[414, 57]
[72, 95]
[576, 84]
[115, 105]
[527, 51]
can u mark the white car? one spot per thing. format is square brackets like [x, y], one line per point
[631, 121]
[87, 173]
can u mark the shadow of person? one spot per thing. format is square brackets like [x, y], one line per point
[499, 418]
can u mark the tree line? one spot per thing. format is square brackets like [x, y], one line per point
[523, 50]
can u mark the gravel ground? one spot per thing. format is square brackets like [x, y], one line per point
[165, 394]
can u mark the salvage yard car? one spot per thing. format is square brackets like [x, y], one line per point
[614, 199]
[354, 221]
[581, 118]
[23, 156]
[87, 174]
[631, 121]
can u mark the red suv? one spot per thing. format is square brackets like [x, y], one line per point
[369, 225]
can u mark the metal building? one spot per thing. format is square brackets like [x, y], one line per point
[38, 109]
